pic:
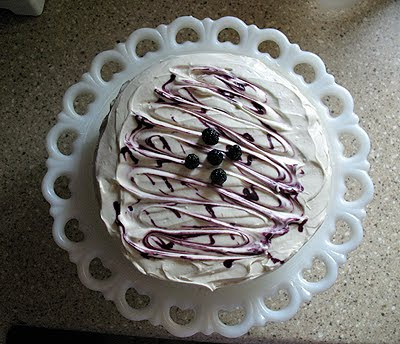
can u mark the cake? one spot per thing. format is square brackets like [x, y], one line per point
[212, 169]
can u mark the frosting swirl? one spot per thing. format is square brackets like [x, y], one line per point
[173, 222]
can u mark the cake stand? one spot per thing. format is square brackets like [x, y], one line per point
[249, 296]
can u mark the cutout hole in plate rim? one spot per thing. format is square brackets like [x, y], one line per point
[186, 34]
[232, 317]
[110, 68]
[82, 102]
[229, 35]
[269, 47]
[61, 187]
[145, 46]
[73, 232]
[182, 316]
[306, 71]
[136, 300]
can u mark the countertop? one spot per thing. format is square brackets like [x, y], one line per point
[40, 57]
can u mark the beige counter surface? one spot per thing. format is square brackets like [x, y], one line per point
[41, 57]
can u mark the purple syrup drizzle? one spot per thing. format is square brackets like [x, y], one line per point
[210, 210]
[125, 150]
[180, 94]
[269, 138]
[151, 179]
[150, 143]
[301, 225]
[249, 160]
[166, 246]
[212, 240]
[176, 212]
[183, 149]
[117, 208]
[275, 260]
[168, 184]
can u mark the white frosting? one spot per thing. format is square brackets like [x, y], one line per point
[162, 205]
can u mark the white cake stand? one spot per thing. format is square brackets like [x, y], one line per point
[82, 204]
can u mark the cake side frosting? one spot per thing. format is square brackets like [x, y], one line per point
[173, 222]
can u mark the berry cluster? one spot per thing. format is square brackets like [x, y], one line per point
[215, 157]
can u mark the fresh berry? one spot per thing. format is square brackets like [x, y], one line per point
[210, 136]
[234, 152]
[218, 176]
[215, 157]
[192, 161]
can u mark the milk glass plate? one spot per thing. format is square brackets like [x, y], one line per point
[163, 295]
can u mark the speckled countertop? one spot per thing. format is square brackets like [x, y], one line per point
[40, 57]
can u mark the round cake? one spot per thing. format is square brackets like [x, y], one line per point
[212, 169]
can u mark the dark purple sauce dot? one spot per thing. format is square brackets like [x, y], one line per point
[160, 162]
[228, 263]
[248, 137]
[251, 194]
